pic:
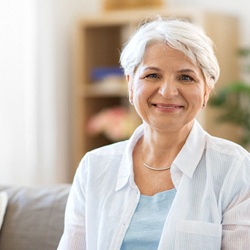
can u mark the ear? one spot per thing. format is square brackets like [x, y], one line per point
[129, 80]
[206, 96]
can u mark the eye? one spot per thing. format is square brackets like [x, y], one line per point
[153, 76]
[186, 78]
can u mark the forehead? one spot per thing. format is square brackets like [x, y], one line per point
[161, 51]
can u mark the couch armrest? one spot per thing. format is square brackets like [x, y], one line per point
[34, 218]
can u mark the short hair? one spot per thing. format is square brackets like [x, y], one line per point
[178, 34]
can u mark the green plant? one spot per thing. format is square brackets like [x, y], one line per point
[234, 100]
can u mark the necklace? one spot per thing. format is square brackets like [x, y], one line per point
[152, 168]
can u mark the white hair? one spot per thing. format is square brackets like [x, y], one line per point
[178, 34]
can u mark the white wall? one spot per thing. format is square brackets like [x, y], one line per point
[239, 8]
[16, 74]
[35, 78]
[35, 82]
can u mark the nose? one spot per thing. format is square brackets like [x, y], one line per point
[168, 88]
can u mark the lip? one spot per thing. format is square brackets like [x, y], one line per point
[169, 107]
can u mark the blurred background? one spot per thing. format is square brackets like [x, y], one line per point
[40, 59]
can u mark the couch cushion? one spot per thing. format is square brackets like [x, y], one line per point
[34, 217]
[3, 205]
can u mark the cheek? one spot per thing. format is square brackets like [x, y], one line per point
[141, 93]
[137, 87]
[194, 95]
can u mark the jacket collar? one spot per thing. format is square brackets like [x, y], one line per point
[190, 155]
[186, 161]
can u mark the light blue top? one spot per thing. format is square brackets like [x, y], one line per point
[147, 223]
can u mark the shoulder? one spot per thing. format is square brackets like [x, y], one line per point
[105, 159]
[104, 154]
[114, 149]
[225, 147]
[226, 155]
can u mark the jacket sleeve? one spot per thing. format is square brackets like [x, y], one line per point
[74, 235]
[236, 217]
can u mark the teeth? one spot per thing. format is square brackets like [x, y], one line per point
[166, 106]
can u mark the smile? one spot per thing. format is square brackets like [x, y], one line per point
[168, 107]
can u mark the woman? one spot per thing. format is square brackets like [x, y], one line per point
[171, 185]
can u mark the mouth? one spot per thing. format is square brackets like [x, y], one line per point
[167, 107]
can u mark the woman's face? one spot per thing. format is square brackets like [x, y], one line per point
[167, 89]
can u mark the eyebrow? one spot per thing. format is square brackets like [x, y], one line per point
[186, 71]
[151, 68]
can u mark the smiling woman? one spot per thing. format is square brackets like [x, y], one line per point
[171, 185]
[167, 95]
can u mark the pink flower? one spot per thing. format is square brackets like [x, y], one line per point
[116, 123]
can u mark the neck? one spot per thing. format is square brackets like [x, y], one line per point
[159, 148]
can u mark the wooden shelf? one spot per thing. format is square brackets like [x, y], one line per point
[97, 90]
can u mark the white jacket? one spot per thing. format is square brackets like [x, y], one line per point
[211, 209]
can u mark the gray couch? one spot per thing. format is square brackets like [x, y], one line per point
[34, 217]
